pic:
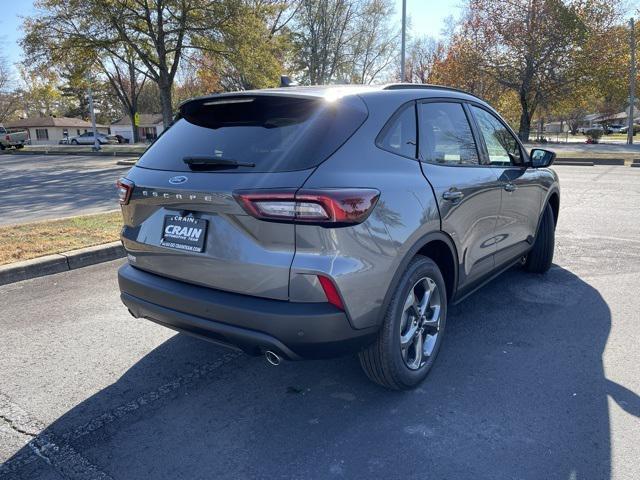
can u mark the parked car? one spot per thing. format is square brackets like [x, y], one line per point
[87, 139]
[312, 222]
[615, 128]
[12, 138]
[584, 130]
[636, 129]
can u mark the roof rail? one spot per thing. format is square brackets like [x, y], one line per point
[427, 86]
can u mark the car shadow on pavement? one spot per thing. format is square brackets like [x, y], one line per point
[519, 391]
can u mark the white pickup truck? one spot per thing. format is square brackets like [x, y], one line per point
[9, 138]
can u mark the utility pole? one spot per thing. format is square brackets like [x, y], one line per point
[404, 32]
[632, 83]
[96, 143]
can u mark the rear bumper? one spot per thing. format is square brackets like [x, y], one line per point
[252, 324]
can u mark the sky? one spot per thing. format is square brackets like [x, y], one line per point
[427, 17]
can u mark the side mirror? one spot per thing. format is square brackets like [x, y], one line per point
[541, 158]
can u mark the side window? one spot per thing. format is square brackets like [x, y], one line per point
[445, 135]
[399, 136]
[502, 147]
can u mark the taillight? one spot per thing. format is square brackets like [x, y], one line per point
[331, 292]
[125, 189]
[326, 207]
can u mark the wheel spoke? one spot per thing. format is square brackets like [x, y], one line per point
[409, 302]
[433, 322]
[417, 361]
[424, 303]
[407, 339]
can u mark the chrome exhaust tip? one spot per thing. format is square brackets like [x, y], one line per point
[273, 358]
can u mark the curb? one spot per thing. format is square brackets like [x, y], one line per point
[594, 161]
[60, 262]
[575, 163]
[128, 163]
[82, 154]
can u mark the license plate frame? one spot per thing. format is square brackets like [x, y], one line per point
[184, 233]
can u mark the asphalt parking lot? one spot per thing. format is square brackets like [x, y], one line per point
[40, 187]
[538, 378]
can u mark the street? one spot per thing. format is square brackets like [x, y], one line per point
[40, 187]
[538, 376]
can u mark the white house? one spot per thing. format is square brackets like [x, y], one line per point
[50, 130]
[150, 125]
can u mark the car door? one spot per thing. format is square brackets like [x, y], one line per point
[467, 192]
[521, 188]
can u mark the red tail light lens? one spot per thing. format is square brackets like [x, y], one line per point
[331, 292]
[125, 188]
[326, 207]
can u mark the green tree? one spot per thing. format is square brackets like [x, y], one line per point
[254, 47]
[158, 32]
[39, 95]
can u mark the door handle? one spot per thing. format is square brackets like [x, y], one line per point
[453, 195]
[510, 187]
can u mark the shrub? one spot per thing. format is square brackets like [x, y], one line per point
[594, 134]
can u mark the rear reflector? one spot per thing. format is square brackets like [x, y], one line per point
[331, 292]
[326, 207]
[125, 188]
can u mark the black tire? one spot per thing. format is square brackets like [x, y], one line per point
[1, 146]
[540, 257]
[383, 360]
[74, 142]
[20, 146]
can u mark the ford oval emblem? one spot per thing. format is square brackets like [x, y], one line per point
[178, 180]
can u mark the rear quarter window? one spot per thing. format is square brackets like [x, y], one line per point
[275, 133]
[399, 136]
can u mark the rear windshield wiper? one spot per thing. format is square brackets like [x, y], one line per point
[209, 161]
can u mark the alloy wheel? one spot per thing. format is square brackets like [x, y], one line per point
[420, 324]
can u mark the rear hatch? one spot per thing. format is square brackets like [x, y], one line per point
[182, 219]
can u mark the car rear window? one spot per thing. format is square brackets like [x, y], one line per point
[275, 133]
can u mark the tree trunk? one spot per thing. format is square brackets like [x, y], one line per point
[133, 98]
[132, 115]
[525, 125]
[165, 99]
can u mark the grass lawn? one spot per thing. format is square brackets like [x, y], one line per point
[31, 240]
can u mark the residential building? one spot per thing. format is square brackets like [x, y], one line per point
[149, 126]
[50, 130]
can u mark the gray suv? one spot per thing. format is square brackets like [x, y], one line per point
[309, 222]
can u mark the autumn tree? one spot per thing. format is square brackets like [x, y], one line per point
[322, 37]
[530, 46]
[422, 55]
[343, 40]
[252, 50]
[125, 80]
[8, 97]
[374, 42]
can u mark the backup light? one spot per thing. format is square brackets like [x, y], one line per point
[125, 189]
